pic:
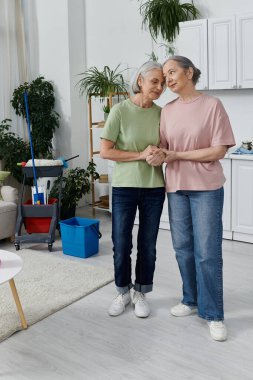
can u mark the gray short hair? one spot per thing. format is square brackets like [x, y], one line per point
[146, 67]
[185, 63]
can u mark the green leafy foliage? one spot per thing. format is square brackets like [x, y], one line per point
[152, 57]
[106, 108]
[75, 183]
[44, 120]
[163, 16]
[102, 82]
[13, 149]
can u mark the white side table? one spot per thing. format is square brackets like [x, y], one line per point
[10, 265]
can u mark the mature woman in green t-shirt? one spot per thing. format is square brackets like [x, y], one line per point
[131, 133]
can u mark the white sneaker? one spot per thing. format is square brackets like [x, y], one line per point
[182, 310]
[119, 304]
[218, 330]
[141, 308]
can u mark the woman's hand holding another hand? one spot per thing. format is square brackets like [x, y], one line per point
[170, 155]
[146, 152]
[156, 158]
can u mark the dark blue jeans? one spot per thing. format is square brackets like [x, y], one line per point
[125, 201]
[196, 230]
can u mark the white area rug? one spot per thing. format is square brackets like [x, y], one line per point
[47, 283]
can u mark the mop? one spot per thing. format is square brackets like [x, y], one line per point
[65, 161]
[36, 195]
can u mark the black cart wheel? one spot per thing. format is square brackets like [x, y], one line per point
[50, 247]
[17, 246]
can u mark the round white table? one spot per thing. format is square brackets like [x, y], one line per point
[10, 265]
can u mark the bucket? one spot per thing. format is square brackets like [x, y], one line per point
[80, 237]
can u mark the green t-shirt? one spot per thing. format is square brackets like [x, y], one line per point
[133, 128]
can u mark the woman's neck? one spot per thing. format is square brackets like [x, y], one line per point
[189, 95]
[141, 101]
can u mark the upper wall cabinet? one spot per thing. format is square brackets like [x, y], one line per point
[222, 53]
[230, 50]
[244, 27]
[192, 43]
[221, 48]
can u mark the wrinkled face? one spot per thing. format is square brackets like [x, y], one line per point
[152, 84]
[177, 78]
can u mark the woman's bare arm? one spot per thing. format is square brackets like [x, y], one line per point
[108, 151]
[213, 153]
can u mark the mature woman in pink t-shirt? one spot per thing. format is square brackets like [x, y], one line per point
[195, 134]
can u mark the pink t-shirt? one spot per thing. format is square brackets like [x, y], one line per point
[197, 124]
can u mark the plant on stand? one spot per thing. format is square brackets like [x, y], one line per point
[75, 183]
[101, 83]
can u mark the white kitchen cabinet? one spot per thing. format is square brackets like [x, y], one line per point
[242, 199]
[226, 217]
[222, 48]
[244, 26]
[222, 53]
[192, 43]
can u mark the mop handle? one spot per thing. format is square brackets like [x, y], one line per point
[31, 145]
[71, 158]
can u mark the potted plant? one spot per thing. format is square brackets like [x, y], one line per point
[106, 110]
[164, 16]
[44, 120]
[75, 183]
[101, 83]
[13, 149]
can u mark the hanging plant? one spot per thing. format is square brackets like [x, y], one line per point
[164, 16]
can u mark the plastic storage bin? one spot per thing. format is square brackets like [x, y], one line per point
[80, 237]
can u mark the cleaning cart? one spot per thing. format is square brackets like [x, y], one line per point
[38, 212]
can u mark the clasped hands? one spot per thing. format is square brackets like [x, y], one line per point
[156, 156]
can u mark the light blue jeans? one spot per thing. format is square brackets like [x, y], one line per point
[196, 229]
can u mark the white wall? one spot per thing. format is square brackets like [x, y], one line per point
[114, 34]
[60, 53]
[220, 8]
[78, 122]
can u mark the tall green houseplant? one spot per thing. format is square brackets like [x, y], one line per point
[13, 149]
[163, 17]
[44, 120]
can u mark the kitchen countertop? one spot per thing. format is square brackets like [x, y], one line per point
[248, 157]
